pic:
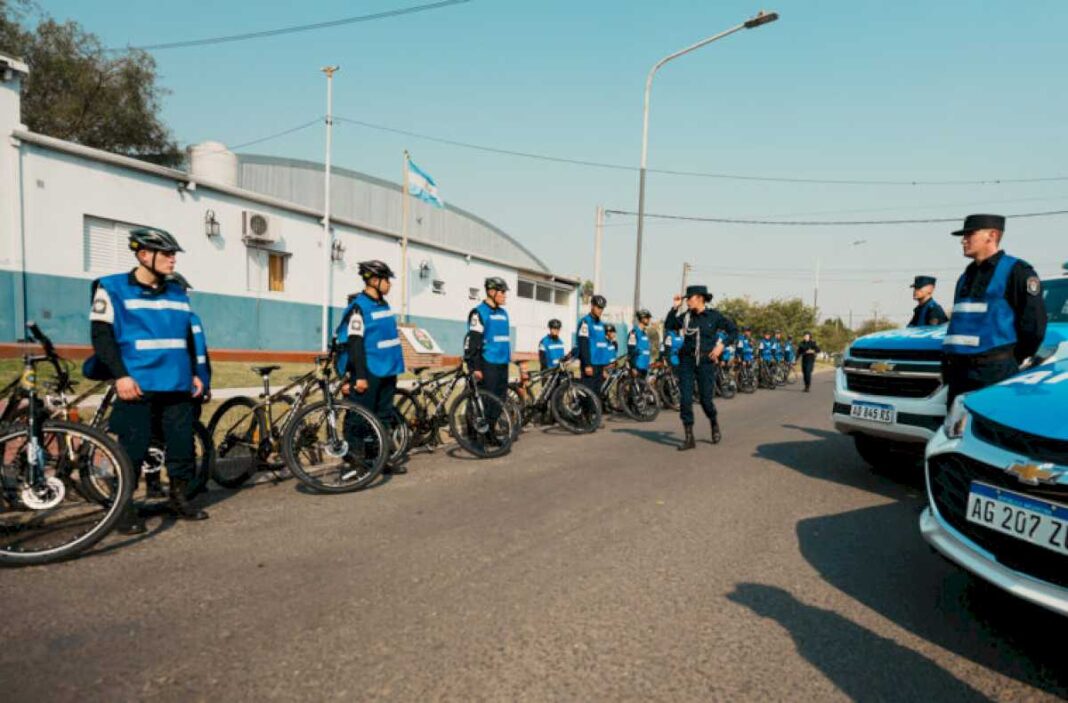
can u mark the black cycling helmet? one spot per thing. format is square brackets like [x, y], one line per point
[496, 283]
[375, 269]
[152, 239]
[609, 327]
[643, 314]
[554, 324]
[180, 280]
[598, 301]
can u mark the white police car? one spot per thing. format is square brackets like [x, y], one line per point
[997, 483]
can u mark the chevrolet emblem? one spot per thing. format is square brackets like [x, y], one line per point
[881, 367]
[1034, 474]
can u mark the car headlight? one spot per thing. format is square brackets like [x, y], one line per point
[957, 419]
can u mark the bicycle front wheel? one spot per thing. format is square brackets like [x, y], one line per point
[335, 446]
[668, 389]
[52, 518]
[575, 408]
[480, 424]
[237, 430]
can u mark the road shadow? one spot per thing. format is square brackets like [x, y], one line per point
[862, 664]
[877, 556]
[663, 437]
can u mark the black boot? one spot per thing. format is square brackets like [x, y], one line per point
[180, 505]
[689, 442]
[716, 435]
[130, 522]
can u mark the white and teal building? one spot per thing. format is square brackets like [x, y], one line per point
[252, 231]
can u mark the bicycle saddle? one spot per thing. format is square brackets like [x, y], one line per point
[265, 370]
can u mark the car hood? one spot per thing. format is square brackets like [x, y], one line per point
[911, 338]
[1033, 401]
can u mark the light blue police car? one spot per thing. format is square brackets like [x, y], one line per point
[997, 478]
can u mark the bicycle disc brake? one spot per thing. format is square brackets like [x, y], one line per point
[49, 497]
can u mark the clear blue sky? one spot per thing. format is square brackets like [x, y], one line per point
[861, 89]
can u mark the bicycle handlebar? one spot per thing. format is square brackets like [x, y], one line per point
[41, 339]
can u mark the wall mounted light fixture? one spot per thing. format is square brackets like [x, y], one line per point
[211, 224]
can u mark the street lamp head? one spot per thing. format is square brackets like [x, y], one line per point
[330, 70]
[761, 18]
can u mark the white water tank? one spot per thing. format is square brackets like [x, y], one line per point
[212, 161]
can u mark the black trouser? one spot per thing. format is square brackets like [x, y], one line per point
[704, 374]
[808, 361]
[172, 415]
[593, 383]
[378, 398]
[495, 381]
[964, 373]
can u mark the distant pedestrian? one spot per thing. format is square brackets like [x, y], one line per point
[807, 350]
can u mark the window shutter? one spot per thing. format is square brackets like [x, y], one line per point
[101, 246]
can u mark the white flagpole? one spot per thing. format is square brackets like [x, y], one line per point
[327, 241]
[404, 241]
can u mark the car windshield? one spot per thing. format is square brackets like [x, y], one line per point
[1055, 294]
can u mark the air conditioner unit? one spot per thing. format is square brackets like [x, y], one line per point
[257, 228]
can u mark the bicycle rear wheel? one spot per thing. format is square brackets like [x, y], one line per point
[668, 390]
[638, 400]
[237, 430]
[725, 383]
[412, 408]
[575, 408]
[335, 446]
[56, 519]
[480, 424]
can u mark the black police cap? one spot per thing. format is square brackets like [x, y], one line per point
[921, 281]
[974, 222]
[698, 290]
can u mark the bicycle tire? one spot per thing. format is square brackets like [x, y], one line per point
[349, 479]
[638, 400]
[472, 432]
[514, 408]
[123, 489]
[576, 409]
[726, 386]
[237, 450]
[400, 437]
[412, 408]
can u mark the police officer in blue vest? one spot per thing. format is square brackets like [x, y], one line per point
[999, 317]
[702, 346]
[671, 347]
[488, 344]
[551, 349]
[373, 356]
[613, 341]
[593, 348]
[142, 333]
[927, 313]
[639, 349]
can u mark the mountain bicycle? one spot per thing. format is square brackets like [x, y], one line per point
[746, 377]
[766, 374]
[559, 398]
[477, 420]
[331, 445]
[629, 393]
[63, 485]
[726, 387]
[662, 377]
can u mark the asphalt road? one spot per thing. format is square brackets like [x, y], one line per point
[774, 566]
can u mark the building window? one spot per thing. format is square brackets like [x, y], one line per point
[544, 294]
[276, 272]
[525, 289]
[561, 297]
[105, 246]
[438, 287]
[472, 293]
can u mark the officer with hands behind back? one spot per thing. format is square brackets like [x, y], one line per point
[551, 349]
[488, 346]
[142, 333]
[999, 317]
[372, 356]
[593, 349]
[639, 350]
[702, 346]
[927, 312]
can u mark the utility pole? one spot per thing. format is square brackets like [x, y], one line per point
[328, 242]
[816, 292]
[598, 240]
[686, 268]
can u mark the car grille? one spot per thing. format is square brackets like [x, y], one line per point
[934, 355]
[895, 386]
[949, 477]
[1033, 447]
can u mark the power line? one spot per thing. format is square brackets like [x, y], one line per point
[296, 28]
[291, 130]
[823, 223]
[690, 174]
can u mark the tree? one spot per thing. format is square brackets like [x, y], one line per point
[586, 291]
[875, 325]
[790, 316]
[80, 92]
[833, 336]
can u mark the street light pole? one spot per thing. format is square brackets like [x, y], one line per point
[761, 18]
[327, 239]
[598, 242]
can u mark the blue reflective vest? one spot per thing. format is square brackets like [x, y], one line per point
[200, 345]
[496, 342]
[554, 350]
[643, 349]
[981, 324]
[745, 348]
[672, 346]
[381, 339]
[767, 347]
[152, 330]
[921, 314]
[788, 351]
[601, 352]
[776, 349]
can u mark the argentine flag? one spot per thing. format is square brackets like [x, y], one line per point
[422, 186]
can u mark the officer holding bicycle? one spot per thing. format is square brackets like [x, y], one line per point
[593, 349]
[699, 326]
[142, 333]
[551, 349]
[488, 344]
[372, 356]
[639, 351]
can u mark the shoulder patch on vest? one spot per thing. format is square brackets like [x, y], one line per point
[1034, 286]
[584, 329]
[356, 323]
[102, 311]
[474, 322]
